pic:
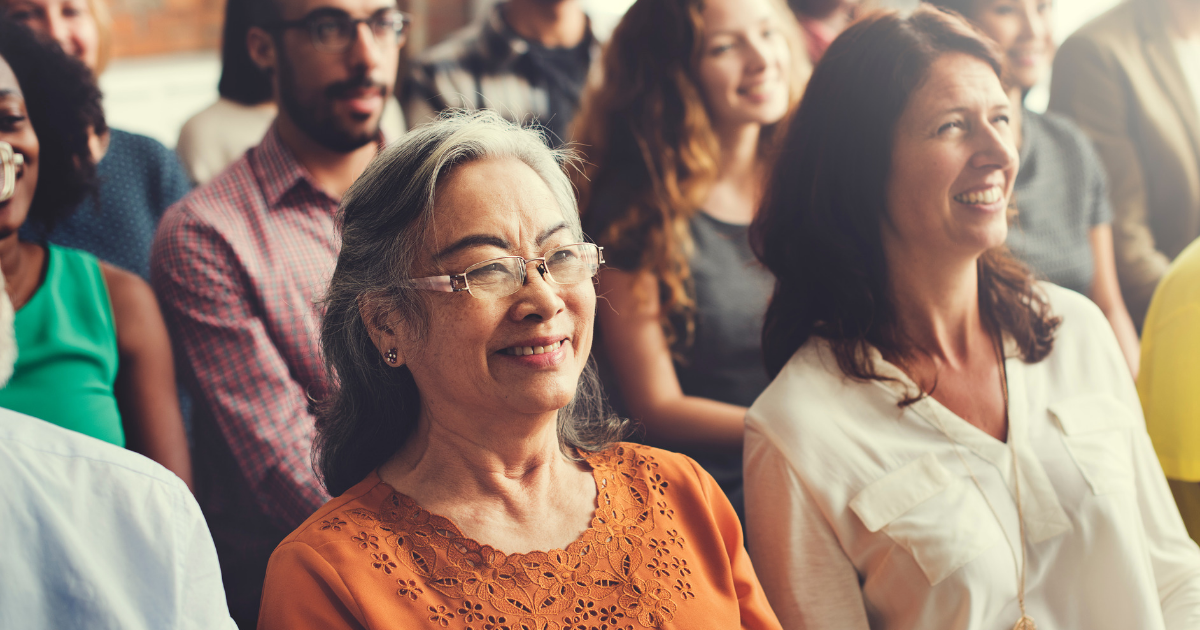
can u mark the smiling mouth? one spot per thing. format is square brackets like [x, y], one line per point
[983, 197]
[518, 351]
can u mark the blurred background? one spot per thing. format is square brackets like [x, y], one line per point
[167, 57]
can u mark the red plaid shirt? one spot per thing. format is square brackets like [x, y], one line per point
[238, 265]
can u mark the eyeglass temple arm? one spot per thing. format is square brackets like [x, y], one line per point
[447, 284]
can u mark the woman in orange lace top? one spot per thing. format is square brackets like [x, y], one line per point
[478, 477]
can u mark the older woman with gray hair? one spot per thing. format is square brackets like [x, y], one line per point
[478, 476]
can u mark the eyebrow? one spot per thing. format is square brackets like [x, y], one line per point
[480, 240]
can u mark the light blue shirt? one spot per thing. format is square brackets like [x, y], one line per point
[94, 536]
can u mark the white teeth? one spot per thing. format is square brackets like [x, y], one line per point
[989, 196]
[529, 350]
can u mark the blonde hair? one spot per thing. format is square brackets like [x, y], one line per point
[104, 34]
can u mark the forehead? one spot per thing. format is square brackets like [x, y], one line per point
[9, 88]
[734, 15]
[503, 197]
[295, 9]
[957, 80]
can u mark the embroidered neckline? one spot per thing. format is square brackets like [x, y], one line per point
[621, 554]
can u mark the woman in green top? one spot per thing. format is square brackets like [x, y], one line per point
[93, 352]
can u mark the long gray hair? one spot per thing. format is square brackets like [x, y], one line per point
[373, 408]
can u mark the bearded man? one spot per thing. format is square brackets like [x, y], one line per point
[239, 264]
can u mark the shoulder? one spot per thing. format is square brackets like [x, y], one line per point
[220, 203]
[44, 452]
[1079, 314]
[141, 149]
[1178, 292]
[655, 469]
[131, 297]
[362, 504]
[1113, 29]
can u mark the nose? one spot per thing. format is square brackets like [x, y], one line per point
[996, 149]
[1033, 26]
[60, 32]
[758, 55]
[538, 298]
[366, 50]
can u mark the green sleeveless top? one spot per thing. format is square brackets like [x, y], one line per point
[67, 350]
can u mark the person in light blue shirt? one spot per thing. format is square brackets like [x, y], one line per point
[95, 536]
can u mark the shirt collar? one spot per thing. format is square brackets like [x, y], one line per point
[280, 171]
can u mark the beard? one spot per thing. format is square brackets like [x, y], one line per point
[315, 116]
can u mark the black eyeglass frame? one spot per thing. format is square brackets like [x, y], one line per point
[308, 22]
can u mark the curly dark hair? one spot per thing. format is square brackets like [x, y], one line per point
[63, 104]
[819, 230]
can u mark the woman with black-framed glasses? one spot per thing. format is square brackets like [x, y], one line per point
[478, 474]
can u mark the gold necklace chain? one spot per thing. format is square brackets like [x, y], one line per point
[1025, 622]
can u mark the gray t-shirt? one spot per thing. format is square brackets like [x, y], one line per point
[1060, 194]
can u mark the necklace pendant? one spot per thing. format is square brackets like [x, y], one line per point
[1025, 623]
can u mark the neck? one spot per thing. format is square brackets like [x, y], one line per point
[1016, 97]
[739, 148]
[334, 171]
[463, 459]
[937, 302]
[734, 196]
[551, 23]
[1185, 17]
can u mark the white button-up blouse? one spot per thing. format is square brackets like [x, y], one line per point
[861, 515]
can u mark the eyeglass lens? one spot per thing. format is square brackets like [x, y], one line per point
[337, 32]
[504, 276]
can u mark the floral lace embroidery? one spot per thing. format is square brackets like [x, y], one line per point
[561, 589]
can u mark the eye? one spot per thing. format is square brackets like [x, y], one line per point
[1001, 119]
[956, 124]
[490, 273]
[720, 48]
[11, 122]
[768, 32]
[20, 15]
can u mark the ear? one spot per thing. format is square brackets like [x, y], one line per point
[261, 47]
[386, 328]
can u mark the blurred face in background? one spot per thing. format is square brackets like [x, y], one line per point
[68, 22]
[336, 97]
[1025, 33]
[745, 63]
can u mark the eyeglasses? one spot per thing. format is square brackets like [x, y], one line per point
[501, 277]
[333, 30]
[9, 162]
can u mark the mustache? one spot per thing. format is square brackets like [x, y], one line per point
[345, 89]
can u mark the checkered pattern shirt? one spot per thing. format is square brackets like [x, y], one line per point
[238, 265]
[488, 65]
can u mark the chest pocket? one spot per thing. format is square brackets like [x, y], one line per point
[940, 519]
[1097, 431]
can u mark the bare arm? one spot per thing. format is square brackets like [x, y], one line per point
[637, 347]
[145, 387]
[1106, 293]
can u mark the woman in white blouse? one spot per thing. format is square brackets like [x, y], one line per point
[946, 444]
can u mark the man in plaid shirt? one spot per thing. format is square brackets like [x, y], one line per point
[240, 263]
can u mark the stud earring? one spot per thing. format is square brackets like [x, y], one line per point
[390, 357]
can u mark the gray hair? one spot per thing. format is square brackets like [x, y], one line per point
[372, 408]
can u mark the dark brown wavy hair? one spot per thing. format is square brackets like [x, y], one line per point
[648, 142]
[819, 230]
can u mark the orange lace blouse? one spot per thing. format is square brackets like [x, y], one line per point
[664, 550]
